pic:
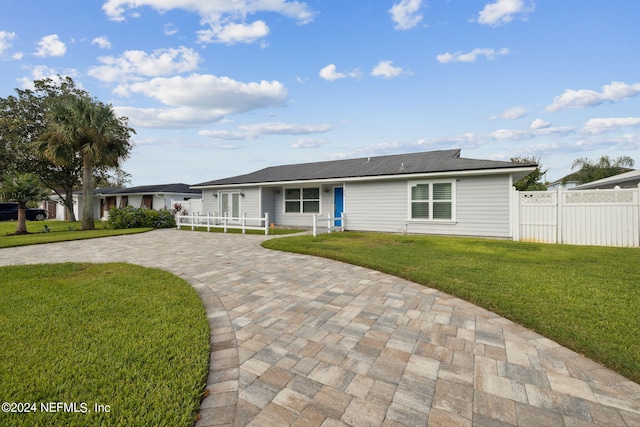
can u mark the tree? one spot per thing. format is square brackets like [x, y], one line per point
[24, 118]
[23, 188]
[119, 179]
[593, 170]
[533, 181]
[85, 127]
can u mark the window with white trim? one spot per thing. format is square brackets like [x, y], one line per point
[302, 200]
[432, 200]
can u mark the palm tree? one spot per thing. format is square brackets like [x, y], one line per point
[23, 189]
[604, 167]
[82, 126]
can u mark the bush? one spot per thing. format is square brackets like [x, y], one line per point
[130, 217]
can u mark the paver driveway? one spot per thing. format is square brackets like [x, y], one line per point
[299, 340]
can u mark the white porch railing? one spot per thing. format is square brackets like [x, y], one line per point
[225, 222]
[330, 223]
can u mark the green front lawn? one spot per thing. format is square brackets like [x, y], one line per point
[586, 298]
[59, 231]
[134, 340]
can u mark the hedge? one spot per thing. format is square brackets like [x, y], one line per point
[130, 217]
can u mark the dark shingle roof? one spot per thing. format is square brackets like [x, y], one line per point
[399, 164]
[148, 189]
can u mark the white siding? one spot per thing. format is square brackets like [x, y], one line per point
[376, 206]
[209, 202]
[482, 208]
[250, 204]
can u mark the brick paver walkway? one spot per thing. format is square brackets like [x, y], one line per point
[305, 341]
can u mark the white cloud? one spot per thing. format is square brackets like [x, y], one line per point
[234, 33]
[469, 140]
[386, 69]
[212, 92]
[595, 126]
[512, 113]
[406, 14]
[539, 124]
[582, 98]
[51, 46]
[330, 73]
[227, 135]
[608, 143]
[102, 41]
[169, 29]
[280, 128]
[308, 143]
[136, 64]
[254, 131]
[224, 17]
[503, 11]
[5, 40]
[213, 8]
[169, 117]
[200, 99]
[446, 58]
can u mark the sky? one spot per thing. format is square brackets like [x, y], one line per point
[218, 88]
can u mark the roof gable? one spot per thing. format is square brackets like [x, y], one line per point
[399, 164]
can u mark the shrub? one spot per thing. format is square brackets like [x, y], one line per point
[130, 217]
[164, 218]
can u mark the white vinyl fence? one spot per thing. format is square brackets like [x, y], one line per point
[579, 217]
[209, 221]
[191, 206]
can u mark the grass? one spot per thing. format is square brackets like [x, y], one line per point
[583, 297]
[133, 338]
[59, 231]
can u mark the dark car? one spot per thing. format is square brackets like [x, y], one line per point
[9, 211]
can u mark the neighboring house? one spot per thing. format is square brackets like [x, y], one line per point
[572, 181]
[435, 192]
[566, 183]
[629, 179]
[147, 196]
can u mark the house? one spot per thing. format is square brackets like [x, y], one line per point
[147, 196]
[566, 183]
[629, 179]
[574, 180]
[435, 192]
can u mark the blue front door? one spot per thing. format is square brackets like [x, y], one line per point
[338, 204]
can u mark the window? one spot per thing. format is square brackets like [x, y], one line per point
[147, 202]
[302, 200]
[432, 200]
